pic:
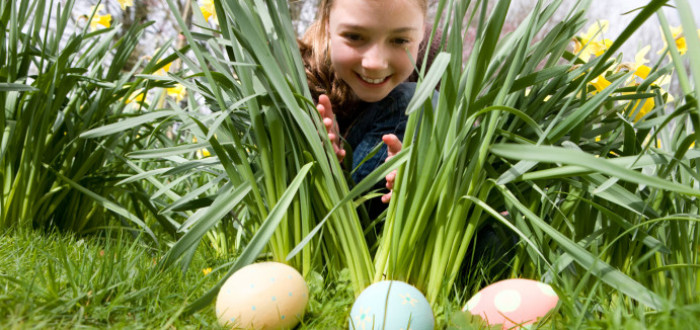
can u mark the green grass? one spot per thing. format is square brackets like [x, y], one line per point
[61, 281]
[54, 280]
[111, 281]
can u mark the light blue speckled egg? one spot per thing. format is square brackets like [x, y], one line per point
[391, 305]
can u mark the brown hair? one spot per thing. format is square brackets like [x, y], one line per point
[319, 71]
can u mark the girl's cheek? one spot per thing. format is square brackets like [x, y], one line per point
[402, 58]
[342, 55]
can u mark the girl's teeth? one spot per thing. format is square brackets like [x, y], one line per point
[372, 81]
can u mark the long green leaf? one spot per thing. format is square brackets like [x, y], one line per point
[126, 124]
[223, 204]
[9, 87]
[549, 154]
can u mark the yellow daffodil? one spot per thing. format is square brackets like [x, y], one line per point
[139, 98]
[647, 106]
[664, 80]
[164, 70]
[104, 20]
[208, 11]
[97, 19]
[599, 47]
[600, 83]
[201, 153]
[178, 92]
[126, 3]
[642, 71]
[590, 43]
[640, 68]
[677, 34]
[641, 106]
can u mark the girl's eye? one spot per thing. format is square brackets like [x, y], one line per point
[352, 36]
[401, 41]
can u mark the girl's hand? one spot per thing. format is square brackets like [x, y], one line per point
[393, 145]
[326, 111]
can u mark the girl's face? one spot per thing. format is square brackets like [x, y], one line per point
[368, 43]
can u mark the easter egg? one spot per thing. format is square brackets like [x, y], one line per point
[391, 305]
[267, 295]
[513, 302]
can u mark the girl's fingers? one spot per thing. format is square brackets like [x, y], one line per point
[326, 103]
[340, 153]
[328, 122]
[393, 144]
[386, 198]
[390, 178]
[326, 111]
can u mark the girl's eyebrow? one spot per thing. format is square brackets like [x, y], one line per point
[364, 28]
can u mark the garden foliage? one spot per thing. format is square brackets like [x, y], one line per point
[53, 88]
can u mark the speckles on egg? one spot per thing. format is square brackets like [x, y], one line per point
[473, 302]
[391, 305]
[251, 298]
[507, 301]
[546, 289]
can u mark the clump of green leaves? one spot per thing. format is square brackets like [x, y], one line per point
[274, 177]
[52, 90]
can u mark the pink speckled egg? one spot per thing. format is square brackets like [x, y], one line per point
[266, 295]
[513, 302]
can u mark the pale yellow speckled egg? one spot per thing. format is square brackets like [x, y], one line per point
[267, 295]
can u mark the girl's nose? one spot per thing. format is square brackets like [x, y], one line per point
[375, 58]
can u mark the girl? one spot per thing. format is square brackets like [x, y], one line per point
[357, 62]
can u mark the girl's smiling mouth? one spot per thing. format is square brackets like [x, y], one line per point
[372, 81]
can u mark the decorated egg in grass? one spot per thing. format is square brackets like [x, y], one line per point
[513, 303]
[267, 295]
[391, 305]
